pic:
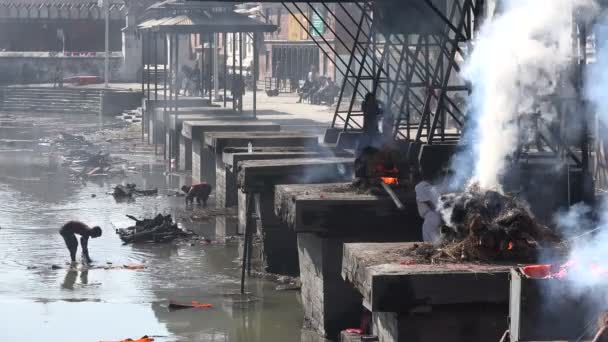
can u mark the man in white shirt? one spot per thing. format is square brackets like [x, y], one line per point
[426, 199]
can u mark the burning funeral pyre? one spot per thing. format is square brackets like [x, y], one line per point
[486, 225]
[159, 229]
[382, 171]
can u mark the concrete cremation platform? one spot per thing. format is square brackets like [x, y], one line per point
[427, 302]
[203, 160]
[216, 142]
[325, 216]
[156, 112]
[257, 179]
[233, 155]
[174, 128]
[149, 107]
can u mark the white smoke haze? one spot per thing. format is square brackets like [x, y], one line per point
[589, 253]
[517, 61]
[587, 272]
[575, 221]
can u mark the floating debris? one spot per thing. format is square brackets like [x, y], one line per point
[192, 305]
[159, 229]
[130, 190]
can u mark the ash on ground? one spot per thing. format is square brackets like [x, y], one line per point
[485, 225]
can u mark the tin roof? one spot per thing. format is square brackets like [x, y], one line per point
[206, 20]
[55, 2]
[57, 9]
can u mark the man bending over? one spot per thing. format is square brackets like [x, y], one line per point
[69, 231]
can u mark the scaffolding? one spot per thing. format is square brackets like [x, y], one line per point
[411, 68]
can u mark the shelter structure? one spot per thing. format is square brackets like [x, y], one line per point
[207, 24]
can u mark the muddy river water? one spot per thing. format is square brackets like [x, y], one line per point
[37, 303]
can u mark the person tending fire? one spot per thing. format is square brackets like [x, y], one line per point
[370, 138]
[426, 200]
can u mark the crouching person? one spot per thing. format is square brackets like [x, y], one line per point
[199, 191]
[69, 232]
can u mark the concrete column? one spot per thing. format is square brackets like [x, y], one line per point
[216, 58]
[330, 304]
[131, 47]
[185, 153]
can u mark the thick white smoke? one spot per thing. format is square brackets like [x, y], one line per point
[589, 251]
[516, 62]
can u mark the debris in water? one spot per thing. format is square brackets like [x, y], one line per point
[84, 158]
[144, 338]
[129, 190]
[192, 305]
[159, 229]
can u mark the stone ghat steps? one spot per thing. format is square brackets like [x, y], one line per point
[50, 100]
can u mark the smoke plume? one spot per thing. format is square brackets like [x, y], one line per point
[516, 63]
[588, 251]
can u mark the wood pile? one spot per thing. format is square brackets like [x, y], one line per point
[159, 229]
[489, 226]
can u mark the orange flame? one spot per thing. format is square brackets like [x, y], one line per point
[510, 247]
[390, 180]
[561, 271]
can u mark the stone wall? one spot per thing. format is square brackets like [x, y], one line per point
[115, 102]
[39, 67]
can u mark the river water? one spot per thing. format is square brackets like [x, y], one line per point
[37, 303]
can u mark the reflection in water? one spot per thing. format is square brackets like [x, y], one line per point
[84, 277]
[38, 196]
[70, 279]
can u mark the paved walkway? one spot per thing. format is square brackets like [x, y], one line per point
[282, 109]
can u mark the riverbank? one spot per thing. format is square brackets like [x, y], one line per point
[39, 194]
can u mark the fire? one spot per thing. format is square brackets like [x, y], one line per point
[390, 180]
[561, 271]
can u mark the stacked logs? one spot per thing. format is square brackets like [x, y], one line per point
[487, 226]
[159, 229]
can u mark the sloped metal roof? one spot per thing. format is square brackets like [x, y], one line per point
[55, 9]
[206, 21]
[56, 2]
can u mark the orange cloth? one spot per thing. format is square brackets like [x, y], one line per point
[537, 271]
[198, 305]
[142, 339]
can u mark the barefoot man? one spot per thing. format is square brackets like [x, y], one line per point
[69, 231]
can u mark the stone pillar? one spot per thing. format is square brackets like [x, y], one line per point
[331, 304]
[185, 153]
[131, 45]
